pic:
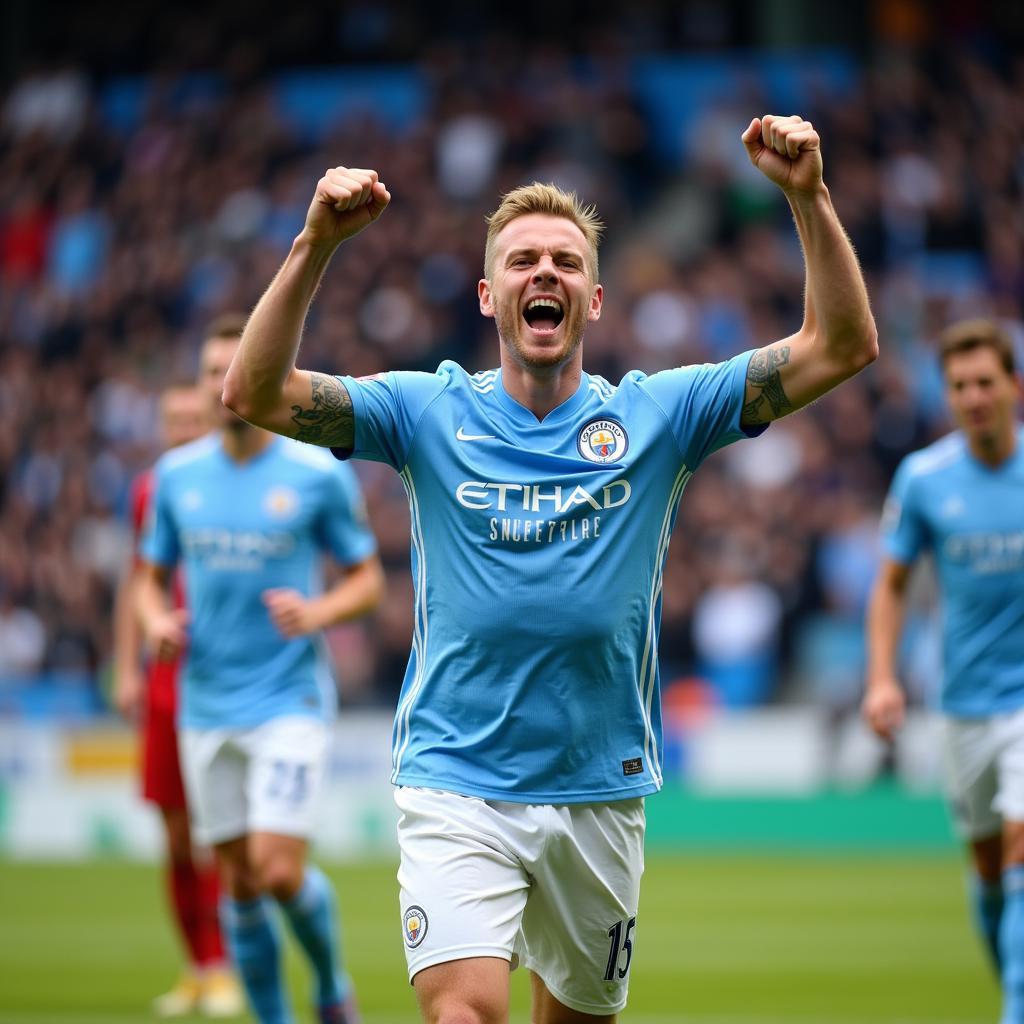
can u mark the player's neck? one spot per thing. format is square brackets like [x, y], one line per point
[540, 391]
[995, 449]
[243, 442]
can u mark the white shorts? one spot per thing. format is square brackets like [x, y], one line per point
[984, 761]
[263, 779]
[553, 886]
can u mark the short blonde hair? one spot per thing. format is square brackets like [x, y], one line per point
[547, 199]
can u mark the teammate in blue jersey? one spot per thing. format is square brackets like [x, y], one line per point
[249, 516]
[542, 497]
[962, 500]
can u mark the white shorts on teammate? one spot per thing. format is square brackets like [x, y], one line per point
[554, 887]
[984, 762]
[263, 779]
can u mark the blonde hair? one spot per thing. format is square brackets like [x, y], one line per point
[550, 200]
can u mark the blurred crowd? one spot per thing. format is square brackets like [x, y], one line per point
[118, 243]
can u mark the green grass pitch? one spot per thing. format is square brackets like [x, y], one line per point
[719, 940]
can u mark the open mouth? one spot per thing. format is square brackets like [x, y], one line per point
[543, 315]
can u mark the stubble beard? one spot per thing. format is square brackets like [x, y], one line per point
[510, 327]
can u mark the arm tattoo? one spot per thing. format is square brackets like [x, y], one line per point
[763, 374]
[330, 422]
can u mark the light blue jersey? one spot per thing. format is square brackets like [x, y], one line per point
[971, 517]
[537, 557]
[240, 529]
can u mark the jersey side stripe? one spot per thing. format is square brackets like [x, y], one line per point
[417, 633]
[646, 685]
[647, 671]
[419, 628]
[396, 732]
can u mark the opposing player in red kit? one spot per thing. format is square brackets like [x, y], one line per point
[149, 693]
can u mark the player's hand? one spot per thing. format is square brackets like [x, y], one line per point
[786, 150]
[167, 634]
[127, 693]
[291, 612]
[884, 707]
[347, 200]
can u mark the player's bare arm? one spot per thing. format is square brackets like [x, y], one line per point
[165, 628]
[326, 418]
[838, 337]
[764, 383]
[884, 703]
[263, 384]
[357, 593]
[128, 682]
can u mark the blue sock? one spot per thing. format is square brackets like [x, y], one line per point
[312, 913]
[987, 901]
[1011, 945]
[252, 937]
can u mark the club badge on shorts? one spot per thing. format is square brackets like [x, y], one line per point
[602, 441]
[414, 924]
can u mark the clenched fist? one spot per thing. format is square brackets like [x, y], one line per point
[292, 614]
[347, 200]
[786, 150]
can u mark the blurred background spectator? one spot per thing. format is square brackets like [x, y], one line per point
[155, 163]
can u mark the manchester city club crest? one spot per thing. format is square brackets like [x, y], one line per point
[414, 923]
[602, 441]
[281, 502]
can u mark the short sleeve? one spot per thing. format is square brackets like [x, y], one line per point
[345, 526]
[387, 407]
[904, 529]
[703, 405]
[159, 531]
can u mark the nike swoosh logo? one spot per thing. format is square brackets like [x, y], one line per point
[461, 435]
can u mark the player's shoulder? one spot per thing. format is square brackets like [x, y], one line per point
[306, 456]
[455, 379]
[599, 387]
[945, 454]
[420, 387]
[187, 456]
[458, 385]
[447, 371]
[687, 374]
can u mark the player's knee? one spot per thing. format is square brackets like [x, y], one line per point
[241, 883]
[463, 1013]
[281, 877]
[1013, 845]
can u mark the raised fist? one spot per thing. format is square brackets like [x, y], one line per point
[786, 150]
[347, 200]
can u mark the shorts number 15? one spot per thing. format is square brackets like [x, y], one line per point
[619, 944]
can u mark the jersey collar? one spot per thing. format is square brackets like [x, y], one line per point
[557, 415]
[256, 459]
